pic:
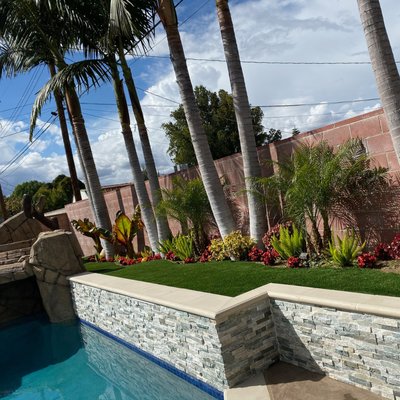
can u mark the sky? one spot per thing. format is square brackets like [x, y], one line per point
[286, 32]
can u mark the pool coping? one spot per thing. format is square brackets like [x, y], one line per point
[216, 306]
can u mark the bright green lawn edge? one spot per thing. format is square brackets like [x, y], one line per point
[233, 278]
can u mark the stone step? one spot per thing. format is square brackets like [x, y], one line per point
[16, 245]
[8, 257]
[13, 272]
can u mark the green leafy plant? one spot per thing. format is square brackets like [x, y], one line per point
[183, 247]
[217, 250]
[319, 183]
[344, 251]
[234, 246]
[166, 246]
[237, 246]
[125, 229]
[187, 202]
[290, 242]
[89, 229]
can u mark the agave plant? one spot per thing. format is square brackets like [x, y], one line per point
[125, 229]
[290, 242]
[344, 251]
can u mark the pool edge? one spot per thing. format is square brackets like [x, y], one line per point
[205, 387]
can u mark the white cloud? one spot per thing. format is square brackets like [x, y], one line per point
[278, 30]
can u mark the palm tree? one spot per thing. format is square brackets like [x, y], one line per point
[212, 184]
[129, 26]
[251, 164]
[29, 22]
[162, 223]
[140, 187]
[383, 64]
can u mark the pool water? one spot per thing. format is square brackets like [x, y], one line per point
[42, 361]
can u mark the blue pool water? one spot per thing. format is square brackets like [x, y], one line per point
[42, 361]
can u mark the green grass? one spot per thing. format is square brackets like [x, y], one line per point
[233, 278]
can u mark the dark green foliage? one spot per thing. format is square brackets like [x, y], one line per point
[187, 202]
[56, 194]
[319, 183]
[273, 135]
[218, 115]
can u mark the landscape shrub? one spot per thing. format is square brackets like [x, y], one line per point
[289, 243]
[395, 247]
[344, 251]
[237, 246]
[366, 260]
[274, 231]
[255, 254]
[294, 262]
[382, 252]
[217, 250]
[269, 257]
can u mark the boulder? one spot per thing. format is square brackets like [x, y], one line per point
[55, 256]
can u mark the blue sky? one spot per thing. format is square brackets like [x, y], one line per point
[277, 30]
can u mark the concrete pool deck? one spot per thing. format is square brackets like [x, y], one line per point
[283, 381]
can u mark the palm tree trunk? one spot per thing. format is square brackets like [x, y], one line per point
[98, 203]
[163, 229]
[251, 163]
[212, 184]
[65, 136]
[143, 197]
[383, 64]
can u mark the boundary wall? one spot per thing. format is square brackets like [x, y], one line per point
[377, 221]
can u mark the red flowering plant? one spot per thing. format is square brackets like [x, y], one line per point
[294, 262]
[274, 231]
[382, 251]
[366, 260]
[206, 255]
[395, 247]
[169, 255]
[255, 254]
[269, 257]
[127, 261]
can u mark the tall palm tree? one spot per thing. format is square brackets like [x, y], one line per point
[383, 64]
[140, 187]
[27, 22]
[212, 184]
[129, 26]
[65, 136]
[251, 163]
[162, 223]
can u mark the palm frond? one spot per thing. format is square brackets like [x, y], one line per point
[86, 74]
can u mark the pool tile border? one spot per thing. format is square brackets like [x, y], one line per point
[217, 394]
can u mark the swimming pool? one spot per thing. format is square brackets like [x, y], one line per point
[42, 361]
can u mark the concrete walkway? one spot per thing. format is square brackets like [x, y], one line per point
[287, 382]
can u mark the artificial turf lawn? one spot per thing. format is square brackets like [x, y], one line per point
[233, 278]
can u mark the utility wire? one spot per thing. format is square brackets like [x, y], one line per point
[27, 146]
[272, 62]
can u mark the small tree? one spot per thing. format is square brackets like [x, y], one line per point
[218, 116]
[317, 185]
[187, 203]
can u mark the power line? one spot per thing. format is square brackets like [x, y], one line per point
[272, 62]
[27, 146]
[320, 103]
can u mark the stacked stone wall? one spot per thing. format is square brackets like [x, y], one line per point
[219, 353]
[359, 349]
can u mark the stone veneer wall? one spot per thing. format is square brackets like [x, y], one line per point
[351, 337]
[220, 352]
[355, 348]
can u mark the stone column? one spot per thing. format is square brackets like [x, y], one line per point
[55, 256]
